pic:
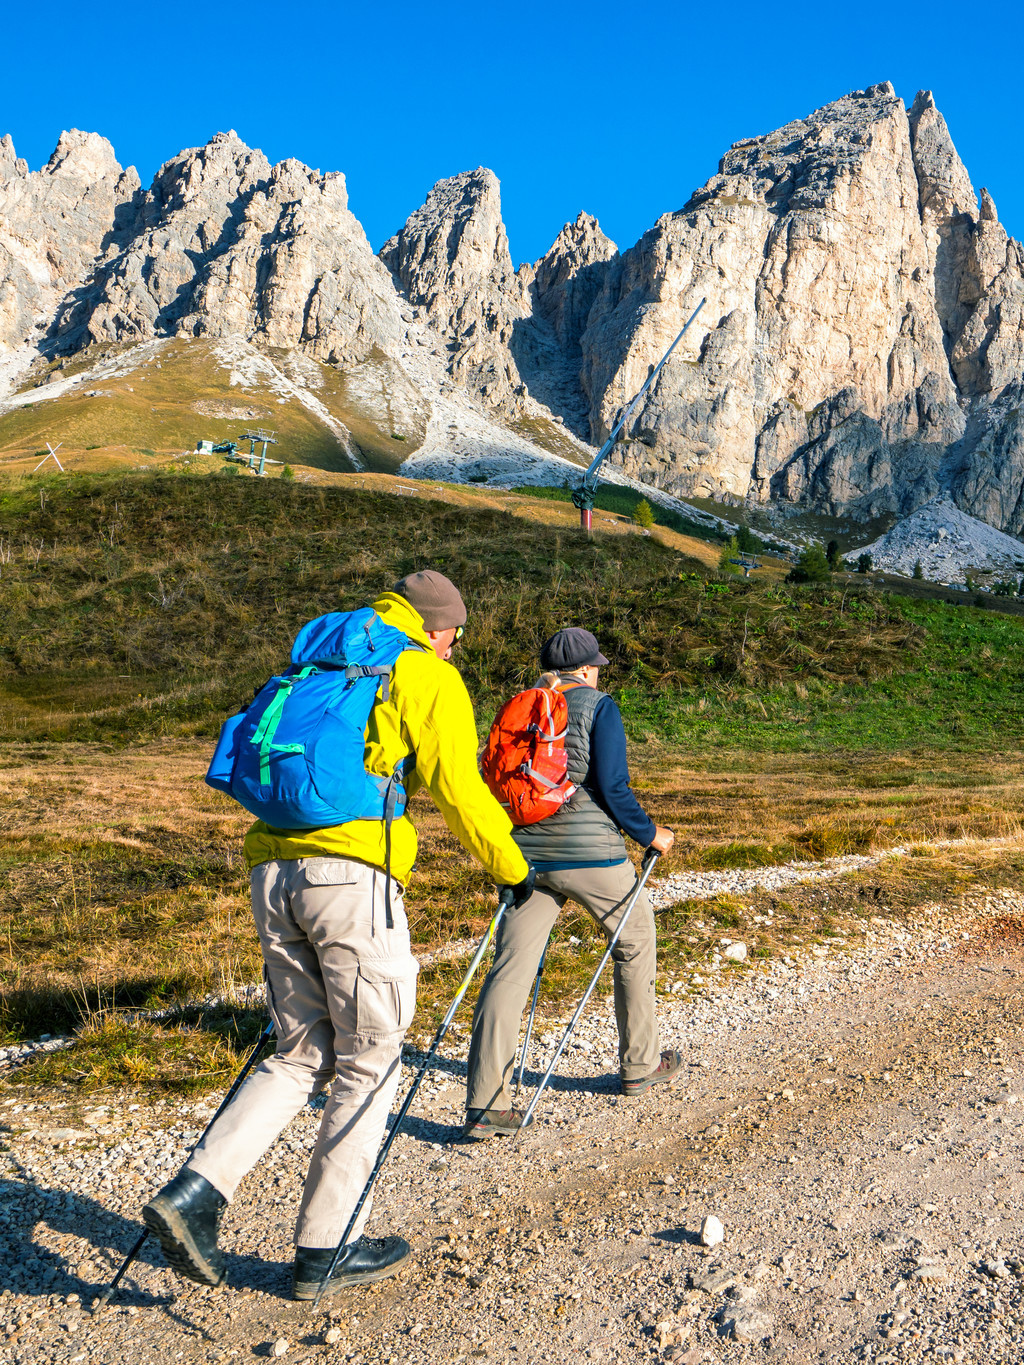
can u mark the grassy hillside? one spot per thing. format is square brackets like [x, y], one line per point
[167, 395]
[769, 722]
[142, 606]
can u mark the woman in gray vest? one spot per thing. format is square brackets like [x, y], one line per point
[579, 853]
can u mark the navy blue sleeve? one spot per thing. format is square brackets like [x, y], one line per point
[608, 775]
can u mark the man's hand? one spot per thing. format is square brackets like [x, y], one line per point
[523, 890]
[663, 839]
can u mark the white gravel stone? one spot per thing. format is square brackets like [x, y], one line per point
[711, 1231]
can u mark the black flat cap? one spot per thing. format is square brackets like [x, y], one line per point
[571, 648]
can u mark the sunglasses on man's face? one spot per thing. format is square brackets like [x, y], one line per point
[459, 632]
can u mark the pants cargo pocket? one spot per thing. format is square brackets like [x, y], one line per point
[385, 997]
[331, 872]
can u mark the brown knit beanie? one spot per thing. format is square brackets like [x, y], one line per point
[435, 597]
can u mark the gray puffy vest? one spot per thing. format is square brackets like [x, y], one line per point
[581, 832]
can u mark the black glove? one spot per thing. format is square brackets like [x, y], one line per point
[523, 890]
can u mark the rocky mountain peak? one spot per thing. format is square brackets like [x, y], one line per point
[799, 165]
[54, 224]
[10, 163]
[83, 154]
[453, 244]
[569, 277]
[843, 339]
[861, 349]
[451, 259]
[224, 243]
[299, 271]
[206, 181]
[944, 187]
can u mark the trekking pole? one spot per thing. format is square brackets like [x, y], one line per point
[529, 1026]
[442, 1029]
[650, 858]
[261, 1043]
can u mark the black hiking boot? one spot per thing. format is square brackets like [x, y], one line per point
[185, 1217]
[668, 1069]
[362, 1262]
[487, 1123]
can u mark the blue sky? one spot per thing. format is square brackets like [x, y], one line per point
[619, 110]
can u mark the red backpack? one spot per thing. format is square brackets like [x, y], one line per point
[524, 762]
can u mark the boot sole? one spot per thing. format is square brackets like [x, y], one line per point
[485, 1134]
[642, 1087]
[182, 1254]
[308, 1289]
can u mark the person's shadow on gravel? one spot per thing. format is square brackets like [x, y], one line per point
[34, 1269]
[605, 1083]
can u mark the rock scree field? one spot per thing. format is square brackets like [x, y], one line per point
[842, 769]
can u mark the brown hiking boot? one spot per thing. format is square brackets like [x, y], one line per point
[487, 1123]
[668, 1069]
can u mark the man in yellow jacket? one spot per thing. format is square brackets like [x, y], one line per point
[341, 978]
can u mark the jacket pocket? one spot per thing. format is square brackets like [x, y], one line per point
[385, 997]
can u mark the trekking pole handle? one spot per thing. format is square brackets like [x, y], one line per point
[504, 904]
[649, 859]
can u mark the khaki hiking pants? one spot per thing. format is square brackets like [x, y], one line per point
[521, 938]
[341, 988]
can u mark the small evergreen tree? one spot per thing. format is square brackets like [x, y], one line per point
[812, 566]
[730, 550]
[832, 554]
[287, 472]
[747, 542]
[863, 563]
[643, 514]
[918, 571]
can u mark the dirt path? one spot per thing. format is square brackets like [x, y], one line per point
[852, 1119]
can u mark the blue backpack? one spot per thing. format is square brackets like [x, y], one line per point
[294, 757]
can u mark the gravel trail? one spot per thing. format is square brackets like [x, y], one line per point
[851, 1117]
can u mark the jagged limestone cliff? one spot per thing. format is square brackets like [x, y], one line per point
[861, 349]
[844, 358]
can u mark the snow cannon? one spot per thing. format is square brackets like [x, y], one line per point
[583, 497]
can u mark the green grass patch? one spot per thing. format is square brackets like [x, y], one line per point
[612, 497]
[179, 1057]
[146, 605]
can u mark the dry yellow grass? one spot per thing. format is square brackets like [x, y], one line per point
[124, 887]
[124, 882]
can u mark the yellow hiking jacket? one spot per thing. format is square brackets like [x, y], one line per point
[428, 714]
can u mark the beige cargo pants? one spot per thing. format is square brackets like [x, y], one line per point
[341, 988]
[521, 939]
